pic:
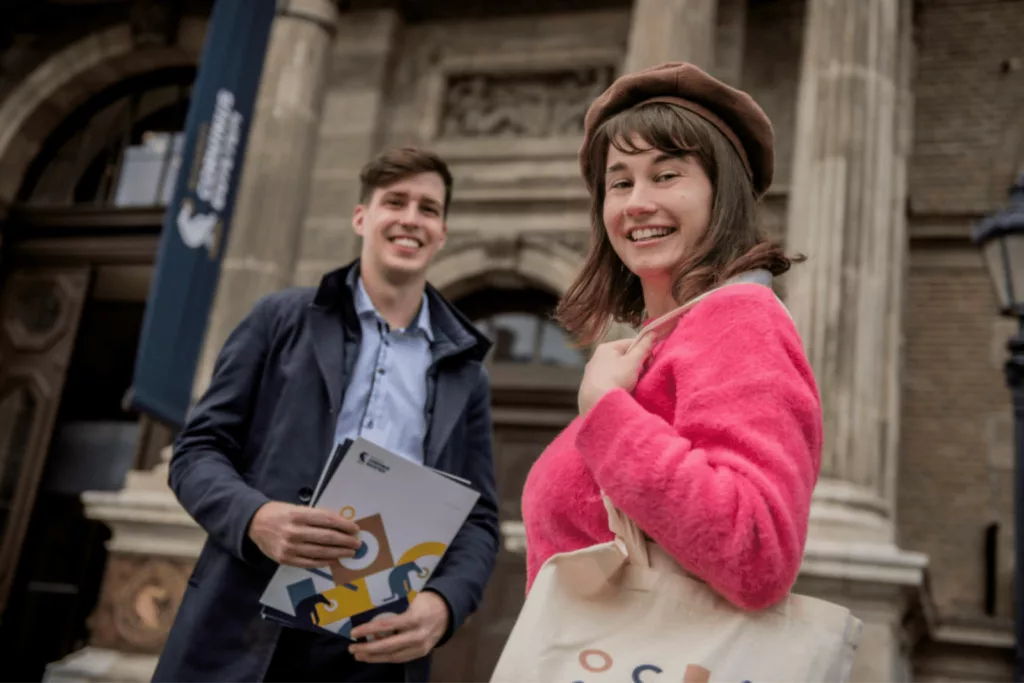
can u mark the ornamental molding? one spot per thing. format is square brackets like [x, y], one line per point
[515, 105]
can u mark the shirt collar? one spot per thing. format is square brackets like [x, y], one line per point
[364, 306]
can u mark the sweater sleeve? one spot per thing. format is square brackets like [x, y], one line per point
[726, 487]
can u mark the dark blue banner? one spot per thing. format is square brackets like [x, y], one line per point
[198, 218]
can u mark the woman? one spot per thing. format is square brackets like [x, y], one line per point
[710, 437]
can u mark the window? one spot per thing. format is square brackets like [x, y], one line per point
[520, 324]
[121, 149]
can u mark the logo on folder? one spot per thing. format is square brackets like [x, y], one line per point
[373, 463]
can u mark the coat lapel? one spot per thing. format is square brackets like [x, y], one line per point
[329, 348]
[452, 393]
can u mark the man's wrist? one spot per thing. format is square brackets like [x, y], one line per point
[449, 615]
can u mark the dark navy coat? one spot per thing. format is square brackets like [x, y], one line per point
[262, 431]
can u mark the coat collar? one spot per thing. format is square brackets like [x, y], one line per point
[366, 310]
[453, 333]
[335, 328]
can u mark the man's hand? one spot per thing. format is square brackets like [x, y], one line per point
[303, 536]
[403, 637]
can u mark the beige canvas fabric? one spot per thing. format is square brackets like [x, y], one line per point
[626, 611]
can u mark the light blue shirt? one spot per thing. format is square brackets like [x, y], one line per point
[386, 396]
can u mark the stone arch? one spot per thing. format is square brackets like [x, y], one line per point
[547, 262]
[67, 78]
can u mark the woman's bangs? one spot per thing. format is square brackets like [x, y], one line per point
[655, 126]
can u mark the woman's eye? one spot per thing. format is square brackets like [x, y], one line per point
[666, 176]
[618, 184]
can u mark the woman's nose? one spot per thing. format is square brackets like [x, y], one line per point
[638, 205]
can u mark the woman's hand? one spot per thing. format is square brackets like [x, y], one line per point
[613, 366]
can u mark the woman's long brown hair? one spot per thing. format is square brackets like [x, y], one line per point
[605, 289]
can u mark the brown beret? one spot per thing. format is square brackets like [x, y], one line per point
[733, 112]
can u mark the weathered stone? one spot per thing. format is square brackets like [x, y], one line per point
[841, 217]
[671, 31]
[272, 193]
[349, 135]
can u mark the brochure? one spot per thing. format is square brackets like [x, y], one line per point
[407, 515]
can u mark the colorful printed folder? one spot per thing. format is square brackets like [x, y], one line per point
[407, 514]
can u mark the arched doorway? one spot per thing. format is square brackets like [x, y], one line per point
[78, 251]
[535, 372]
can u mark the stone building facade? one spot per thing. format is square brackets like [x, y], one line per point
[898, 125]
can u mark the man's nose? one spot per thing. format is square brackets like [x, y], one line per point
[411, 215]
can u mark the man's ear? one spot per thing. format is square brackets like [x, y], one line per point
[358, 216]
[444, 234]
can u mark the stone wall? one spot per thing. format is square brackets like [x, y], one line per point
[956, 468]
[969, 130]
[350, 133]
[956, 465]
[771, 73]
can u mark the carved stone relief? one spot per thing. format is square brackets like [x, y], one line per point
[138, 602]
[35, 311]
[521, 104]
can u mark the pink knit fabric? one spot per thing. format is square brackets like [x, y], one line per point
[714, 455]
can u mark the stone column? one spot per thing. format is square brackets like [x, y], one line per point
[273, 188]
[730, 41]
[671, 31]
[846, 213]
[841, 217]
[350, 133]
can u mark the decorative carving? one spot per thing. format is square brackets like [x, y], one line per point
[154, 23]
[460, 241]
[38, 306]
[534, 104]
[36, 311]
[502, 247]
[139, 600]
[575, 240]
[19, 408]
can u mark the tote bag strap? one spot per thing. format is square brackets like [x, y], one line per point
[626, 531]
[662, 325]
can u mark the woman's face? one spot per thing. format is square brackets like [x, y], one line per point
[656, 208]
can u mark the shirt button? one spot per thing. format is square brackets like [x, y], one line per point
[380, 371]
[305, 495]
[369, 424]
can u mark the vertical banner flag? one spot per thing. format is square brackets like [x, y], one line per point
[195, 227]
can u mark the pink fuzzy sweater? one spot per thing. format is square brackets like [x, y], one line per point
[714, 455]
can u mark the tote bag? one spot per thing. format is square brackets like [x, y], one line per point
[626, 611]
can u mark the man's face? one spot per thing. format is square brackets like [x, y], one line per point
[403, 226]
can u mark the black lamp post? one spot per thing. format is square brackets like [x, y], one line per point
[1001, 238]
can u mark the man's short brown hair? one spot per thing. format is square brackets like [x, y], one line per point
[399, 163]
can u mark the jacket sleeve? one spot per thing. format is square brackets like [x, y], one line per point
[726, 487]
[205, 468]
[463, 574]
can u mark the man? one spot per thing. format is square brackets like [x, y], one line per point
[374, 352]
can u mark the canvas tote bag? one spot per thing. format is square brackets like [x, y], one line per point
[626, 611]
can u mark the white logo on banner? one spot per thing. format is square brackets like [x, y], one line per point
[219, 155]
[196, 230]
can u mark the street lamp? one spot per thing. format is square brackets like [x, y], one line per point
[1001, 238]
